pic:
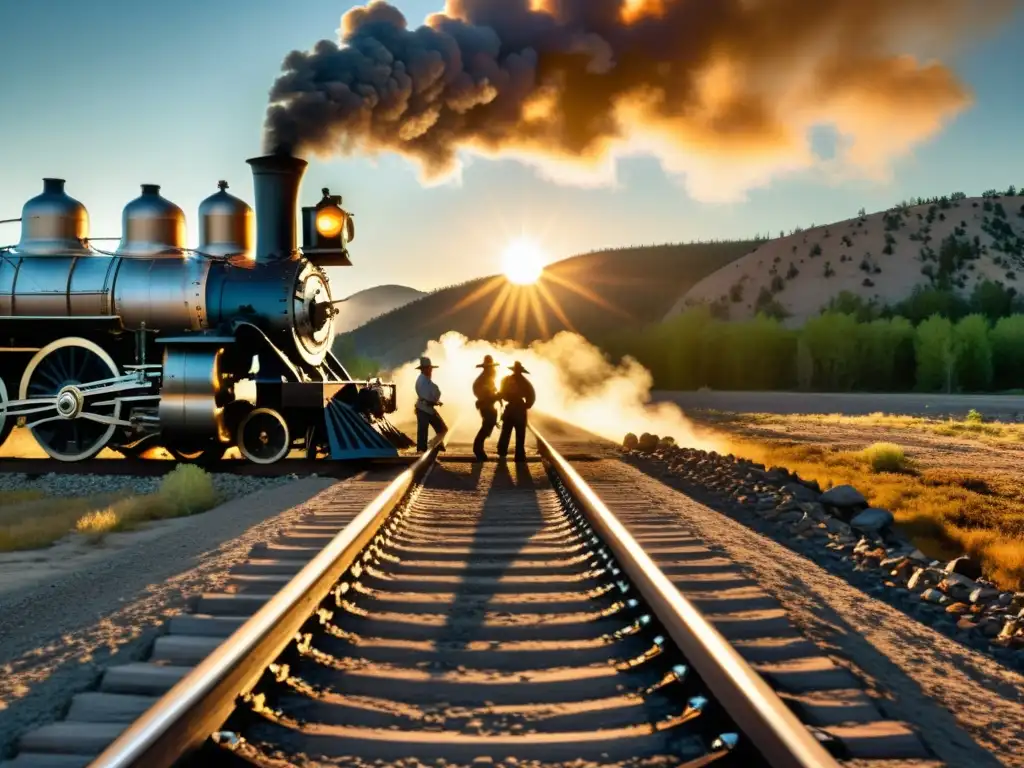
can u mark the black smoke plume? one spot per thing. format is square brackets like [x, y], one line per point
[577, 81]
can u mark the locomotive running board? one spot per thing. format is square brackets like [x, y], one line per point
[350, 437]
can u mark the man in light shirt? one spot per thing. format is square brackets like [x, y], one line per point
[428, 397]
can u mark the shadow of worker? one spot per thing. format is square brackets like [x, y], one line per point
[508, 519]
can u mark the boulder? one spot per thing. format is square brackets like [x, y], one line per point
[965, 566]
[630, 442]
[667, 442]
[648, 443]
[872, 520]
[844, 497]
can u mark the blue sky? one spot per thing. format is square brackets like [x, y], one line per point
[111, 94]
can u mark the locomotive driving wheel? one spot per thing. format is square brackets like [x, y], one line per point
[264, 437]
[80, 429]
[6, 422]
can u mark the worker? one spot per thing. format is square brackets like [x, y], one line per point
[486, 394]
[519, 397]
[428, 397]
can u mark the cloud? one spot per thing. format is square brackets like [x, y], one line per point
[725, 94]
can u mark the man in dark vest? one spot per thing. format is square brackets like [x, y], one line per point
[519, 397]
[486, 394]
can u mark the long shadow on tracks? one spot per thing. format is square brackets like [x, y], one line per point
[511, 504]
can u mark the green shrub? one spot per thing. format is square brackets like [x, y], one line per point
[886, 457]
[189, 489]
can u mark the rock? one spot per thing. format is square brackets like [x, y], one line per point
[835, 525]
[958, 608]
[956, 591]
[648, 443]
[932, 595]
[923, 578]
[815, 511]
[844, 497]
[1009, 628]
[803, 524]
[966, 623]
[984, 594]
[873, 520]
[800, 492]
[961, 581]
[990, 626]
[667, 442]
[964, 566]
[630, 442]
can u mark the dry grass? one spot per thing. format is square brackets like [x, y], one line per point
[886, 457]
[945, 512]
[30, 520]
[30, 523]
[971, 427]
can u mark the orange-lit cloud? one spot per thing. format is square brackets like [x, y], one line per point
[724, 92]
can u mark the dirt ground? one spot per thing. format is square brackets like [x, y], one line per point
[996, 407]
[927, 448]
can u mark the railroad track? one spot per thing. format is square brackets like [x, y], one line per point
[471, 613]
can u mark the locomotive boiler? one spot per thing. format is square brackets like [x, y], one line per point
[194, 350]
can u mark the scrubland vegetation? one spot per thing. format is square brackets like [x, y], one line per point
[932, 342]
[945, 511]
[30, 520]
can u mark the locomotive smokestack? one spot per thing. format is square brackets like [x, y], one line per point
[276, 180]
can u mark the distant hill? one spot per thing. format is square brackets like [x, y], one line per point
[362, 307]
[594, 293]
[952, 242]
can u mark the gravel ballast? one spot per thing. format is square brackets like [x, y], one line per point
[228, 485]
[56, 636]
[966, 706]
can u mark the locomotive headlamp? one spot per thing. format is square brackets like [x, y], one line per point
[330, 220]
[326, 230]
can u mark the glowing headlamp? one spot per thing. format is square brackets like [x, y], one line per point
[327, 228]
[330, 220]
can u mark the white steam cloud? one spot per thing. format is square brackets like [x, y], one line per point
[573, 380]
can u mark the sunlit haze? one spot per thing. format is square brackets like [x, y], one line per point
[522, 262]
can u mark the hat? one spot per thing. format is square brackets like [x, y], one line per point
[488, 362]
[425, 363]
[517, 367]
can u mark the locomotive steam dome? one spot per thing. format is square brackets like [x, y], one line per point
[152, 226]
[225, 224]
[53, 223]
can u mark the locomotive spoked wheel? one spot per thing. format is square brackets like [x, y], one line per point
[263, 436]
[6, 422]
[56, 372]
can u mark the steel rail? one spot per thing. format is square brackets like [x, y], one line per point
[755, 708]
[184, 717]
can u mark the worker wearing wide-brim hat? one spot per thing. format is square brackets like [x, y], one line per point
[428, 397]
[486, 394]
[519, 396]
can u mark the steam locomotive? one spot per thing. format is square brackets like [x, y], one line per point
[193, 350]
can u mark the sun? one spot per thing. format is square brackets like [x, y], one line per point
[522, 262]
